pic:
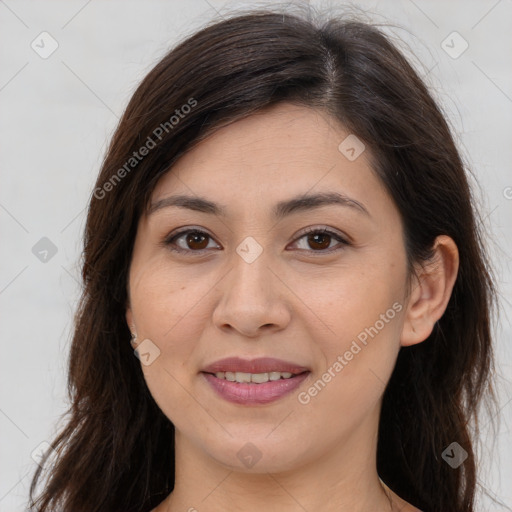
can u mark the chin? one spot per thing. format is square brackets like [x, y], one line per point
[256, 454]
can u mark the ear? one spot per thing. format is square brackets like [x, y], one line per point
[430, 292]
[129, 319]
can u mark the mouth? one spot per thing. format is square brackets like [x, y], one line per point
[259, 366]
[258, 381]
[255, 378]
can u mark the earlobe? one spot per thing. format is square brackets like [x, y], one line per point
[129, 321]
[431, 292]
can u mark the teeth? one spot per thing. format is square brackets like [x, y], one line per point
[242, 377]
[257, 378]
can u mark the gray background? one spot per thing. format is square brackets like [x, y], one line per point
[59, 112]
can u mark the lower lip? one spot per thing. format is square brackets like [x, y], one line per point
[249, 394]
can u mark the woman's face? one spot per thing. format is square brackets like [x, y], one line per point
[254, 284]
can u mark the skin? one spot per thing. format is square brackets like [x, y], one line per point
[293, 302]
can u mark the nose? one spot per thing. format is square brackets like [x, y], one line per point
[253, 299]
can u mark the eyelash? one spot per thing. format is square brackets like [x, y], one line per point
[169, 241]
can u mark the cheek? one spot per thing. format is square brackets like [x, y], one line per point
[363, 311]
[165, 311]
[166, 301]
[349, 299]
[354, 377]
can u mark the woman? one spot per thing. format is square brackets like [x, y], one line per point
[283, 227]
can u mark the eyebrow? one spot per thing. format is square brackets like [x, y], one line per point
[282, 209]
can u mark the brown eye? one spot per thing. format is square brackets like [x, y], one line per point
[319, 241]
[190, 240]
[196, 240]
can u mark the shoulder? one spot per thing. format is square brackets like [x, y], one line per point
[409, 508]
[403, 506]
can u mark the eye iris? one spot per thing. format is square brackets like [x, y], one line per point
[193, 238]
[313, 238]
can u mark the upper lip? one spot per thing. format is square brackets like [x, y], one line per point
[259, 365]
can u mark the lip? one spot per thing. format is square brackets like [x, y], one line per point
[253, 394]
[259, 365]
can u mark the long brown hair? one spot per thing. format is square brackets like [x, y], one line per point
[115, 452]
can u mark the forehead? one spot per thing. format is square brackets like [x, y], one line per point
[280, 152]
